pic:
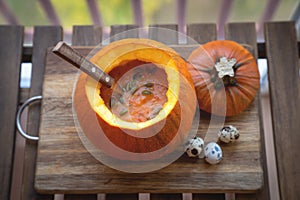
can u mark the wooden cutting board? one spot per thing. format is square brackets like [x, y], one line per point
[65, 166]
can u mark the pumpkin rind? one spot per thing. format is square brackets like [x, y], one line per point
[167, 129]
[237, 95]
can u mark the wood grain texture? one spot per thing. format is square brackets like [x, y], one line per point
[119, 32]
[23, 95]
[11, 42]
[44, 37]
[65, 166]
[245, 34]
[86, 35]
[202, 33]
[284, 83]
[165, 33]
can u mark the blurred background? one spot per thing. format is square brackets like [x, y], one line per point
[105, 13]
[30, 12]
[144, 12]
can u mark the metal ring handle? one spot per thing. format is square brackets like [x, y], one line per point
[18, 120]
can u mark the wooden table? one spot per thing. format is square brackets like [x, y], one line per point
[62, 165]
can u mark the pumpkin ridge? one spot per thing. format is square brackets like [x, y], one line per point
[199, 67]
[242, 53]
[213, 54]
[174, 119]
[200, 82]
[245, 85]
[206, 98]
[240, 64]
[232, 99]
[249, 81]
[250, 77]
[232, 53]
[247, 76]
[245, 94]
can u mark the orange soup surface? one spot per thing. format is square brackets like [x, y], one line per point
[140, 93]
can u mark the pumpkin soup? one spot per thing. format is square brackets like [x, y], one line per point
[141, 93]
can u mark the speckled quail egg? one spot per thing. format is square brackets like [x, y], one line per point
[194, 147]
[213, 153]
[228, 134]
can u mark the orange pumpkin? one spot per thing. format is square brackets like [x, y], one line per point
[125, 139]
[226, 77]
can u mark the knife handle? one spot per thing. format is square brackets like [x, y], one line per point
[70, 55]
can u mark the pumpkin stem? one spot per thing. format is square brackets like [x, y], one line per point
[224, 82]
[225, 67]
[229, 81]
[223, 75]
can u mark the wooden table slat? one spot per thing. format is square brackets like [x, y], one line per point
[201, 33]
[86, 35]
[40, 43]
[119, 32]
[245, 33]
[233, 32]
[11, 42]
[165, 33]
[284, 83]
[23, 95]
